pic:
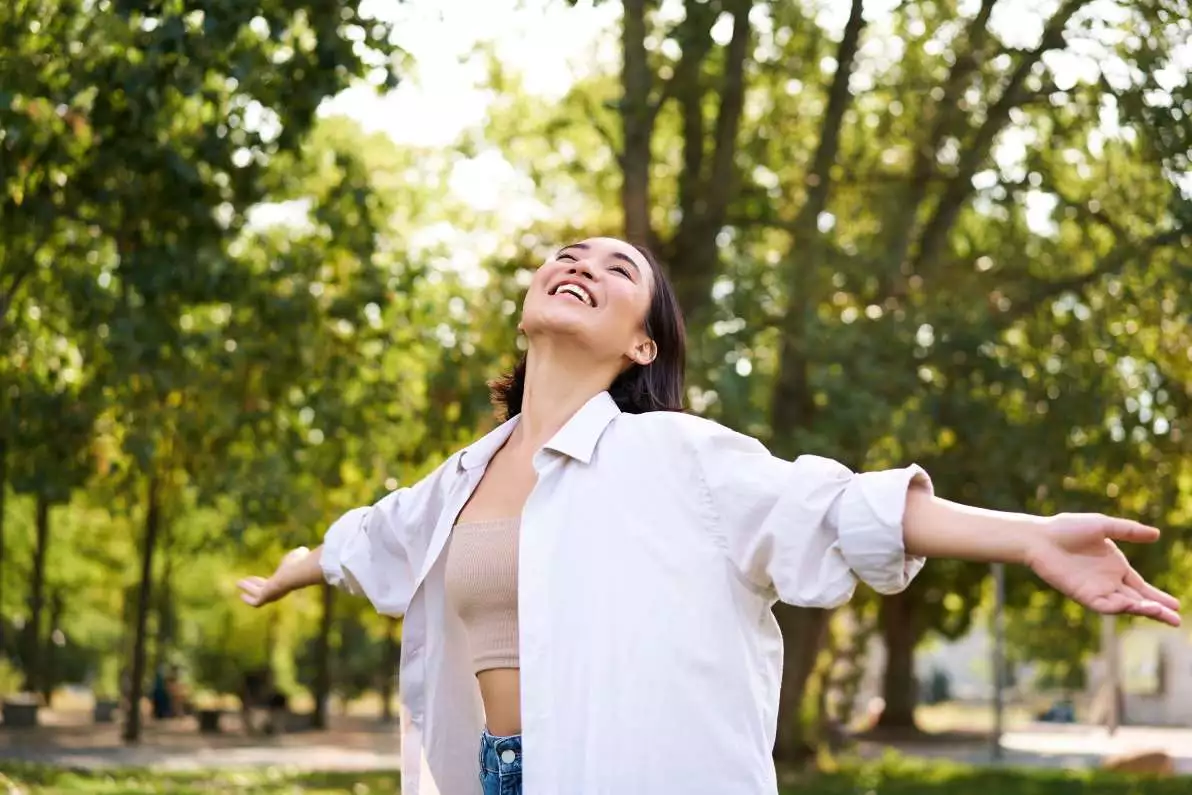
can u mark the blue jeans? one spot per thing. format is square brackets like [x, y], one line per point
[500, 764]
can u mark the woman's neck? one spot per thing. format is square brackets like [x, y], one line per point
[559, 381]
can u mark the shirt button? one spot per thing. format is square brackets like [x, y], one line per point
[507, 756]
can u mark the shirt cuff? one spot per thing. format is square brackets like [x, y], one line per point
[334, 543]
[870, 527]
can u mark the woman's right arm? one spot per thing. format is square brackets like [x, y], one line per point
[374, 551]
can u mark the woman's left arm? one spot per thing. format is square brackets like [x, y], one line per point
[809, 529]
[1075, 553]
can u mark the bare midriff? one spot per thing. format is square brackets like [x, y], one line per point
[500, 689]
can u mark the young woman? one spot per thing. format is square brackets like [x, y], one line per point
[625, 556]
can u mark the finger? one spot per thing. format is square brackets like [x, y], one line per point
[1130, 531]
[250, 583]
[1129, 601]
[1151, 609]
[1148, 591]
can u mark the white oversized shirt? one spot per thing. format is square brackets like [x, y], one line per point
[652, 549]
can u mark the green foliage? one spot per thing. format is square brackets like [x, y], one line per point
[137, 334]
[10, 678]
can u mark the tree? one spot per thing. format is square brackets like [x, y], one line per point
[160, 170]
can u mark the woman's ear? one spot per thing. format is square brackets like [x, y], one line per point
[644, 352]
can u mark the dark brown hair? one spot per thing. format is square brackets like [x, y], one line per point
[657, 386]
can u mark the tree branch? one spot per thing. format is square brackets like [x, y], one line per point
[664, 95]
[956, 193]
[819, 177]
[792, 406]
[603, 131]
[946, 116]
[8, 295]
[1110, 265]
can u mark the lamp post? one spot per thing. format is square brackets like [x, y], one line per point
[1113, 672]
[999, 657]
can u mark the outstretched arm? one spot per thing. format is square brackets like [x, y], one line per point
[810, 529]
[1075, 553]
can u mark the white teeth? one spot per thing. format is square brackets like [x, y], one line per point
[577, 291]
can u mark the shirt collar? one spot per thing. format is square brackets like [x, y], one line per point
[577, 438]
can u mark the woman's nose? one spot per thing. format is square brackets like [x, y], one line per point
[581, 269]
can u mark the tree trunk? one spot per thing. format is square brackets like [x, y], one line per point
[3, 493]
[50, 679]
[132, 721]
[637, 124]
[899, 688]
[706, 184]
[164, 610]
[389, 668]
[32, 656]
[323, 660]
[803, 633]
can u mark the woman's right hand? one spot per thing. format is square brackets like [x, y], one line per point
[260, 591]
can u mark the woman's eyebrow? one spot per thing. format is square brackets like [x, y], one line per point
[616, 255]
[571, 245]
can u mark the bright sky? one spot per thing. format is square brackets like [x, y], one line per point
[544, 40]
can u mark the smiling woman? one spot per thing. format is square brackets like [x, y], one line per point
[594, 577]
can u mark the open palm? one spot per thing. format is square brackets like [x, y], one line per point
[1077, 556]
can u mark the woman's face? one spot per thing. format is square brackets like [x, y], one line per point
[597, 291]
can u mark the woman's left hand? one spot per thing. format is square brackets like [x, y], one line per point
[1076, 555]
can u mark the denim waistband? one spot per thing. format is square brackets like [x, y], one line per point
[501, 755]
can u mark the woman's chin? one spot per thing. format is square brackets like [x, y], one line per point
[561, 322]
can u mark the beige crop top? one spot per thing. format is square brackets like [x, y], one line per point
[482, 589]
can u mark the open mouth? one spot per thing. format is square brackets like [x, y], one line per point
[576, 291]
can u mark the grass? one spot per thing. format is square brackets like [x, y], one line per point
[891, 776]
[895, 775]
[42, 780]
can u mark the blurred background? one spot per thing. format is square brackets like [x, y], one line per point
[259, 259]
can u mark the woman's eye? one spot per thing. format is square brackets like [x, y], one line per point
[622, 271]
[562, 257]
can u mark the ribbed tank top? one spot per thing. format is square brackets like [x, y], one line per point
[482, 589]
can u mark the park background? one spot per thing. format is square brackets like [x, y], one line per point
[259, 259]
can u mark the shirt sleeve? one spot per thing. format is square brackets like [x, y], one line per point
[375, 551]
[807, 529]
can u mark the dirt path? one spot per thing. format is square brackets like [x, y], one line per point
[72, 740]
[1060, 746]
[357, 743]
